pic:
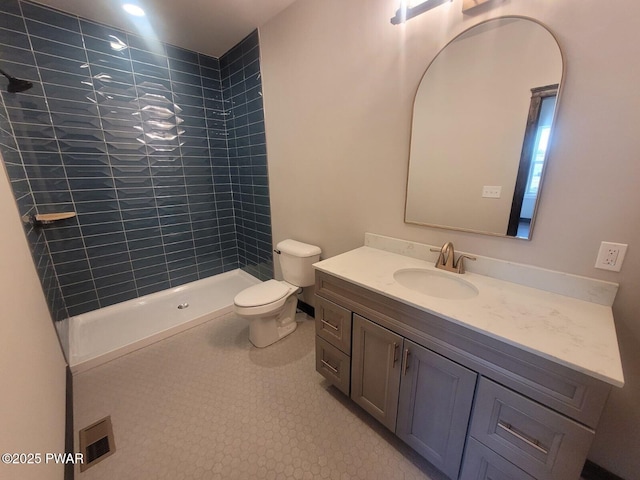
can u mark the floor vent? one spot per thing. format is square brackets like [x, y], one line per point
[96, 442]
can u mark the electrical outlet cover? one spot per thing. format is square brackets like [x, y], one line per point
[611, 256]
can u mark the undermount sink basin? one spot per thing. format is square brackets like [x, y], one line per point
[435, 284]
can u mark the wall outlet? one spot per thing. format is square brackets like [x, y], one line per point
[611, 256]
[491, 191]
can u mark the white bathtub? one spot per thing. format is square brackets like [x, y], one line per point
[94, 338]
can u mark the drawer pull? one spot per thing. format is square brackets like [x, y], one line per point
[329, 324]
[533, 443]
[330, 367]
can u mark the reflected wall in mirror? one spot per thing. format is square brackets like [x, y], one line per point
[482, 118]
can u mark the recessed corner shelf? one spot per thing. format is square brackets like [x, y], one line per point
[41, 219]
[52, 217]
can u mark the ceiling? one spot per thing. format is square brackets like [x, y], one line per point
[211, 27]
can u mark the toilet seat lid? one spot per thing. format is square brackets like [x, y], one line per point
[261, 294]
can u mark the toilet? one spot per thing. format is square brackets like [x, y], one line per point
[270, 306]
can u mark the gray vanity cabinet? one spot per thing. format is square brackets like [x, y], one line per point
[475, 407]
[436, 395]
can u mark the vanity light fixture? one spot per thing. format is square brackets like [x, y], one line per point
[133, 9]
[409, 9]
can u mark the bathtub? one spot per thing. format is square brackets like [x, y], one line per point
[96, 337]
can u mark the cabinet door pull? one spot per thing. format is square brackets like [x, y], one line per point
[395, 357]
[405, 361]
[329, 324]
[330, 367]
[533, 443]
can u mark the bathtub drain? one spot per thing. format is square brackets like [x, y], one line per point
[183, 305]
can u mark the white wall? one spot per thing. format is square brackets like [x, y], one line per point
[339, 82]
[32, 367]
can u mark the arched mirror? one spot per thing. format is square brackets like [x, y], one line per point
[482, 119]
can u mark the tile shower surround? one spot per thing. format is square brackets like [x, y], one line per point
[160, 151]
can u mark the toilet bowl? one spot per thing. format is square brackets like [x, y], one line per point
[270, 306]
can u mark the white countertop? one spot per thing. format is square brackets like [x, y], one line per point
[575, 333]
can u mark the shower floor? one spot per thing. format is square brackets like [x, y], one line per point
[207, 404]
[102, 335]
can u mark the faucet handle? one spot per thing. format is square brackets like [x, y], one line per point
[459, 266]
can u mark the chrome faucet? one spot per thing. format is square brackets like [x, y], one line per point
[447, 259]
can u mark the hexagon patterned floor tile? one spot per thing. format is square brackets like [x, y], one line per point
[206, 404]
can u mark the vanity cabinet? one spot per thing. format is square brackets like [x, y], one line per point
[475, 407]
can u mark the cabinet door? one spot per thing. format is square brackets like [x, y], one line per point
[482, 463]
[375, 370]
[435, 403]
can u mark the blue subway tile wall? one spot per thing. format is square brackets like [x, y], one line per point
[242, 92]
[161, 156]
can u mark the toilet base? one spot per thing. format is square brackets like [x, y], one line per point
[264, 331]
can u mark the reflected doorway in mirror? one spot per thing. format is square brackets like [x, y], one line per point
[532, 160]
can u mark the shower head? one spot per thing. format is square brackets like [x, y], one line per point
[15, 84]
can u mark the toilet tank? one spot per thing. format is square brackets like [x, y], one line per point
[296, 261]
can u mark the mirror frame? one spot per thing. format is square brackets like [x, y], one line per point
[547, 153]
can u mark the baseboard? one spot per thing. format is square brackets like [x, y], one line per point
[306, 308]
[69, 472]
[593, 471]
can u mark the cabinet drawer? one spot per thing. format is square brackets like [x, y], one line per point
[333, 365]
[333, 324]
[538, 440]
[482, 463]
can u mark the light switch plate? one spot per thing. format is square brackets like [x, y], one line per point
[469, 4]
[491, 191]
[611, 256]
